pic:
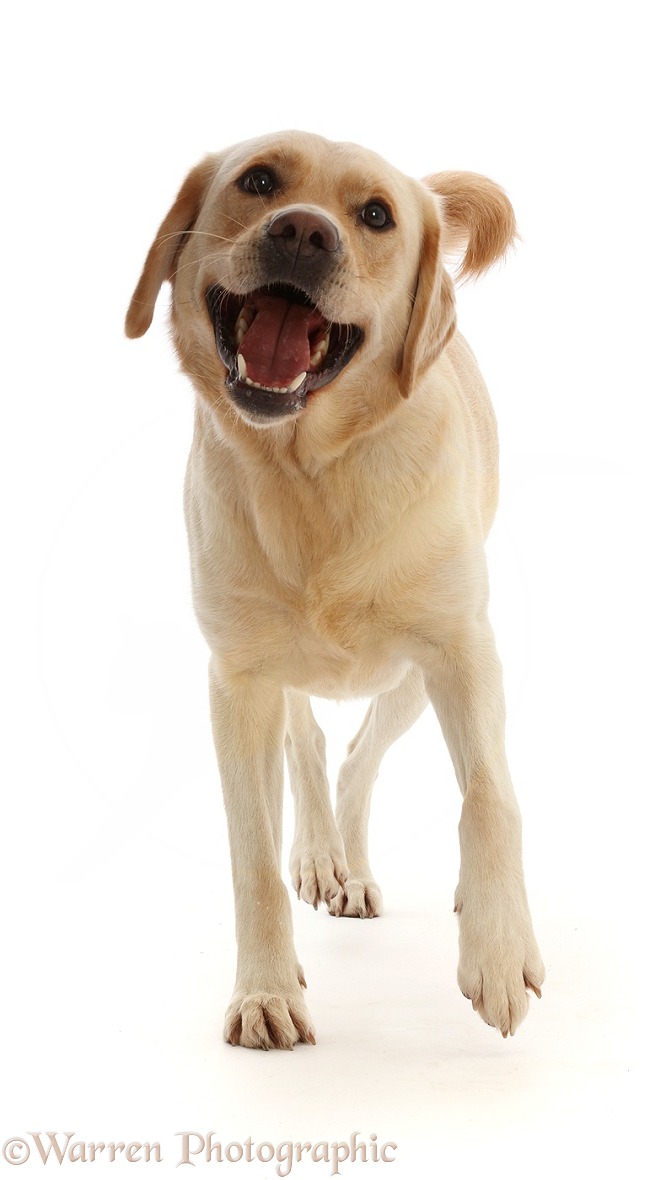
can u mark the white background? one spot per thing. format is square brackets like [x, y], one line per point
[118, 934]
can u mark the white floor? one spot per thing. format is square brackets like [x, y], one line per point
[123, 960]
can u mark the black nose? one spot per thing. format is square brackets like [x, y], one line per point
[302, 232]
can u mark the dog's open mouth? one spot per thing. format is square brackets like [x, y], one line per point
[277, 346]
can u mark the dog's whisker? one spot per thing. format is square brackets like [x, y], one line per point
[190, 233]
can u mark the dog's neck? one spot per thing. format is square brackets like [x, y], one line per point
[309, 442]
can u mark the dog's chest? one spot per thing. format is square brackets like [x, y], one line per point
[319, 585]
[343, 635]
[326, 594]
[342, 646]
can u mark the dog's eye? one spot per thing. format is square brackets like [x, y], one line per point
[376, 215]
[259, 181]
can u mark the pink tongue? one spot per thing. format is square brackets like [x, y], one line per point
[276, 346]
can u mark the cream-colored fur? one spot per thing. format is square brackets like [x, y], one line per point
[338, 551]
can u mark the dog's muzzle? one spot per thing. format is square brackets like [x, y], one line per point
[275, 342]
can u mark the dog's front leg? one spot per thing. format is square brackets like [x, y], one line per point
[499, 957]
[266, 1009]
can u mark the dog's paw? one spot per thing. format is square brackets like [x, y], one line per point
[318, 875]
[357, 899]
[497, 968]
[498, 990]
[268, 1021]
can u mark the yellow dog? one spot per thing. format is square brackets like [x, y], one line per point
[342, 480]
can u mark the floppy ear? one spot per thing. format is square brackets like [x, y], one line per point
[433, 318]
[477, 213]
[161, 261]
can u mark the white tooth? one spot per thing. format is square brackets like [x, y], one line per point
[242, 367]
[296, 382]
[320, 351]
[245, 318]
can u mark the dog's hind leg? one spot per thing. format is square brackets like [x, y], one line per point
[317, 863]
[390, 715]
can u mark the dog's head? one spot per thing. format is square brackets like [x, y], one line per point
[299, 265]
